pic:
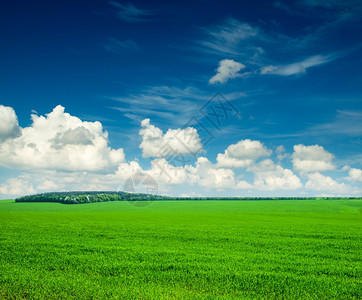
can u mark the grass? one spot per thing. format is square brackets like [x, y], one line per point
[181, 250]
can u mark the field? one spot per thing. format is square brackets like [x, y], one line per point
[306, 249]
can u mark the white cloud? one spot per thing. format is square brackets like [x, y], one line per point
[59, 141]
[242, 154]
[48, 180]
[66, 153]
[167, 173]
[210, 176]
[318, 182]
[346, 168]
[173, 142]
[16, 187]
[125, 170]
[312, 159]
[192, 194]
[9, 126]
[269, 176]
[203, 173]
[280, 151]
[354, 175]
[228, 69]
[296, 68]
[48, 186]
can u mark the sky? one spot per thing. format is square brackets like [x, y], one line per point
[191, 98]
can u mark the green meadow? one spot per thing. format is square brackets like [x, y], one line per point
[287, 249]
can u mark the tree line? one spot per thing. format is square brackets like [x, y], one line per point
[96, 196]
[86, 197]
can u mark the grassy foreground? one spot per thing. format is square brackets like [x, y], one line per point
[181, 250]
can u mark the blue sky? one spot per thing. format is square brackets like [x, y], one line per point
[111, 84]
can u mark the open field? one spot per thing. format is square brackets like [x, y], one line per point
[182, 250]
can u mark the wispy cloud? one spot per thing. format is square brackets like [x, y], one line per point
[261, 50]
[165, 102]
[332, 3]
[336, 9]
[230, 36]
[297, 67]
[139, 113]
[264, 46]
[116, 46]
[173, 105]
[332, 15]
[347, 123]
[130, 13]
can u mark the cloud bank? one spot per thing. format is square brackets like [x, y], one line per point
[59, 151]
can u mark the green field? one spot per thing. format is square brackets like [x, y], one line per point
[305, 249]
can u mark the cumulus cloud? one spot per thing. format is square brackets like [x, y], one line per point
[167, 173]
[59, 141]
[77, 136]
[173, 142]
[209, 176]
[9, 126]
[318, 182]
[297, 67]
[51, 180]
[312, 159]
[354, 175]
[228, 69]
[203, 173]
[66, 153]
[267, 176]
[242, 154]
[270, 176]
